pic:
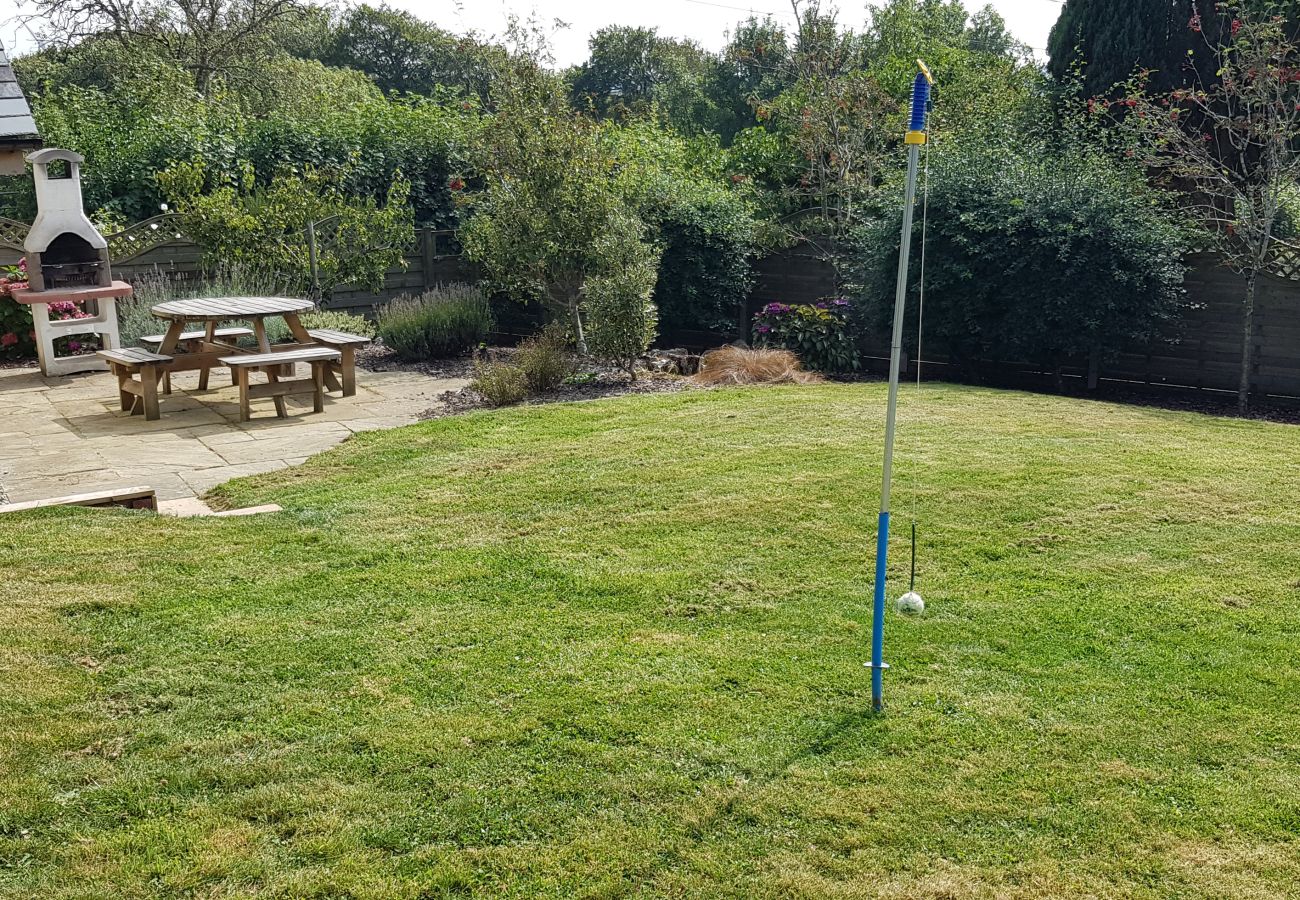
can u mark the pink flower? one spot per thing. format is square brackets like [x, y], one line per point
[22, 264]
[8, 340]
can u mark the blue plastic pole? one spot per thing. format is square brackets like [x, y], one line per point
[916, 137]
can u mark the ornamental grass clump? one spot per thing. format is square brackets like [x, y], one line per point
[499, 383]
[741, 365]
[447, 321]
[546, 359]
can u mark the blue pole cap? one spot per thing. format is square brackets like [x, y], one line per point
[920, 104]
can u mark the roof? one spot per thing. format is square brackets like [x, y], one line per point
[17, 127]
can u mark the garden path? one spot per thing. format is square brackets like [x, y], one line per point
[66, 435]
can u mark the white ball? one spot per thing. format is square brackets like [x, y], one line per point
[911, 603]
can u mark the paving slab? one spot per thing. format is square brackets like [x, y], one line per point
[66, 435]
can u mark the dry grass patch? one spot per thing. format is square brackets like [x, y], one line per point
[741, 365]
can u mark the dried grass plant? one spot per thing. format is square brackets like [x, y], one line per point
[740, 365]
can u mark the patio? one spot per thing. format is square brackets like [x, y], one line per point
[66, 435]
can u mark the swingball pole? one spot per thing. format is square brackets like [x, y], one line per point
[916, 138]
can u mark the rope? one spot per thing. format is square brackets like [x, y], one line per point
[920, 333]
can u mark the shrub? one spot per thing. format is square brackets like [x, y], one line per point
[1035, 254]
[501, 384]
[819, 333]
[621, 319]
[701, 216]
[741, 365]
[339, 321]
[546, 360]
[16, 341]
[358, 239]
[447, 321]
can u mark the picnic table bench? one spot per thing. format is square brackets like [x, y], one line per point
[243, 363]
[137, 393]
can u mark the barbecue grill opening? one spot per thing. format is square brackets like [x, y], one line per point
[70, 261]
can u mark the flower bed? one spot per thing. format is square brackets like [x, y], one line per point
[17, 337]
[818, 333]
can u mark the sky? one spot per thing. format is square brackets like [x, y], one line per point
[705, 21]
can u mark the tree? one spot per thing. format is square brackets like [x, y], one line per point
[634, 71]
[1112, 39]
[754, 67]
[210, 39]
[1232, 148]
[550, 216]
[835, 116]
[402, 52]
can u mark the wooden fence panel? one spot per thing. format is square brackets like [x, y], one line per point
[1204, 355]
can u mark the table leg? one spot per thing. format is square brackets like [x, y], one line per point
[149, 386]
[259, 331]
[299, 332]
[172, 337]
[211, 333]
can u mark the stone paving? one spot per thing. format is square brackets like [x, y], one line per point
[66, 435]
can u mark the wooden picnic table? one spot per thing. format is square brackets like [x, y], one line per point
[211, 312]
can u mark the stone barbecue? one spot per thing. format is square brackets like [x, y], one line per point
[64, 250]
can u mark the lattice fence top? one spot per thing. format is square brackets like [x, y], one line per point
[13, 233]
[143, 236]
[123, 245]
[1286, 261]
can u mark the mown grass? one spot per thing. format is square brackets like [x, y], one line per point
[617, 648]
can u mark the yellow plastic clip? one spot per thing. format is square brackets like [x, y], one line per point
[914, 137]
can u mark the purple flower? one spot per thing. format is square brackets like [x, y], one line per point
[764, 329]
[841, 302]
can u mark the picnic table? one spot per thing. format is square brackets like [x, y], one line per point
[211, 312]
[330, 353]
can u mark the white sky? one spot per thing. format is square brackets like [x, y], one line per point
[705, 21]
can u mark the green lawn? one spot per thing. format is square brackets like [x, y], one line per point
[616, 648]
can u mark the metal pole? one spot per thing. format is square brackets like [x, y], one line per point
[915, 138]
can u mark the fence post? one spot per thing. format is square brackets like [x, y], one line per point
[427, 245]
[312, 260]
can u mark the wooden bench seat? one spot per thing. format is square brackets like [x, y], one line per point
[190, 342]
[189, 337]
[244, 363]
[347, 345]
[136, 395]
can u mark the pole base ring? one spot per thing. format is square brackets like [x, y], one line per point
[881, 667]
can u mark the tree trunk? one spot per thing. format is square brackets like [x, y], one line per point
[1247, 343]
[579, 336]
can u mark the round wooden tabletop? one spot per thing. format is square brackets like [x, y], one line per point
[220, 309]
